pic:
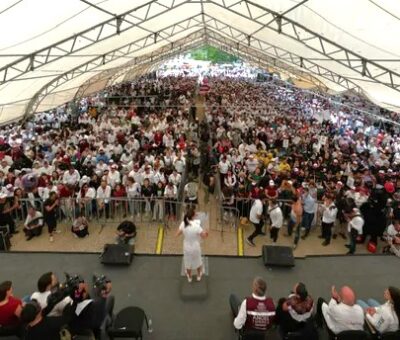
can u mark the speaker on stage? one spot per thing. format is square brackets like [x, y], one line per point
[277, 256]
[117, 254]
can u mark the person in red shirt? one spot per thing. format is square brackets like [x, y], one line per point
[10, 307]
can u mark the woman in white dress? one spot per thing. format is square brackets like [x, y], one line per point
[192, 234]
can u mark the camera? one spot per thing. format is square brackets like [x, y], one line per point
[100, 283]
[70, 287]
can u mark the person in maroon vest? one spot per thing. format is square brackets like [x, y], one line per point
[256, 314]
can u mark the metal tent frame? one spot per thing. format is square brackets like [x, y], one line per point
[200, 26]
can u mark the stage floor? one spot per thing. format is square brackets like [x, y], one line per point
[154, 283]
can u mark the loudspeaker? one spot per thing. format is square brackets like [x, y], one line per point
[5, 243]
[117, 254]
[277, 256]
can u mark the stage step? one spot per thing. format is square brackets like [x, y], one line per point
[194, 291]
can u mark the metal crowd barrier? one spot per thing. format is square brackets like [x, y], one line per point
[142, 211]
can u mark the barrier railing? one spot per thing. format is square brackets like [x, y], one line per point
[140, 210]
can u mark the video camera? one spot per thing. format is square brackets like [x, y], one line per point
[100, 283]
[69, 287]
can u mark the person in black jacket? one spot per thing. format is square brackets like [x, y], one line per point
[40, 327]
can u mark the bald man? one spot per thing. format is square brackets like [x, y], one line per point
[341, 313]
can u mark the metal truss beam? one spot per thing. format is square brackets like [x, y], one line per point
[282, 57]
[115, 73]
[133, 18]
[332, 51]
[124, 51]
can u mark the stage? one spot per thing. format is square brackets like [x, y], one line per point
[154, 283]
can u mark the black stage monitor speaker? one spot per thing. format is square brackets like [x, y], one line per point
[278, 256]
[117, 254]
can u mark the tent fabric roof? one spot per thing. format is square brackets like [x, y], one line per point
[58, 50]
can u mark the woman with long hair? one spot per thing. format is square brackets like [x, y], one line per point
[384, 318]
[192, 234]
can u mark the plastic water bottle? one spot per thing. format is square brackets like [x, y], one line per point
[150, 326]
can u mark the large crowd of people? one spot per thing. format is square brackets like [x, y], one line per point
[282, 155]
[128, 143]
[274, 142]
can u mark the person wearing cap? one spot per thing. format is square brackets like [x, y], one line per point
[354, 228]
[113, 176]
[101, 156]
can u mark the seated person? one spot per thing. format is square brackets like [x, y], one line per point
[257, 312]
[39, 326]
[342, 313]
[293, 312]
[47, 284]
[80, 227]
[92, 311]
[33, 224]
[384, 318]
[10, 307]
[126, 233]
[392, 237]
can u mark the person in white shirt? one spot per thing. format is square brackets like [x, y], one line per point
[179, 164]
[276, 216]
[230, 180]
[384, 318]
[103, 195]
[354, 228]
[133, 192]
[251, 163]
[341, 313]
[136, 174]
[113, 176]
[44, 192]
[46, 168]
[256, 217]
[175, 178]
[33, 224]
[46, 283]
[71, 177]
[223, 166]
[329, 213]
[392, 237]
[170, 196]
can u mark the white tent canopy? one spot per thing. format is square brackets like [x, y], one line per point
[52, 51]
